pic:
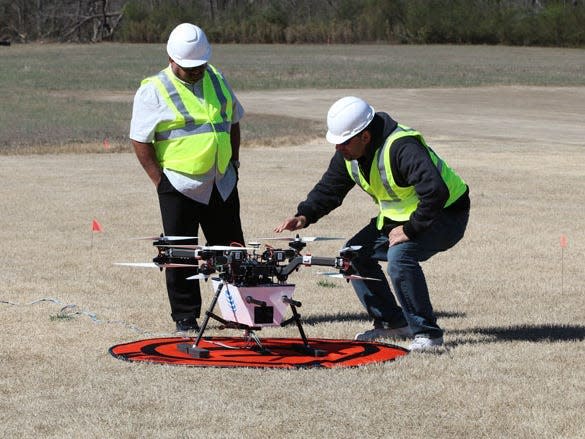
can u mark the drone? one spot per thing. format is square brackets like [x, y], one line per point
[250, 284]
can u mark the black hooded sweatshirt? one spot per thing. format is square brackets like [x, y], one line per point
[411, 166]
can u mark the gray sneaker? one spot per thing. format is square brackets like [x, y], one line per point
[376, 333]
[423, 343]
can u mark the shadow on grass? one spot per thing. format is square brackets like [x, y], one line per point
[336, 317]
[548, 333]
[362, 317]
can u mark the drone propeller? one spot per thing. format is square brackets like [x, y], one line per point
[183, 246]
[347, 276]
[153, 265]
[203, 247]
[301, 239]
[225, 248]
[199, 276]
[167, 238]
[355, 248]
[137, 264]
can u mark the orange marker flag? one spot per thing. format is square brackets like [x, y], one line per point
[96, 226]
[564, 241]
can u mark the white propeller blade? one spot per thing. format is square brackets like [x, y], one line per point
[351, 247]
[201, 247]
[198, 276]
[318, 238]
[302, 239]
[137, 264]
[356, 277]
[174, 265]
[350, 277]
[183, 246]
[168, 238]
[153, 265]
[225, 248]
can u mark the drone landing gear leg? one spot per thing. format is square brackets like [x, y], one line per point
[297, 319]
[259, 346]
[193, 349]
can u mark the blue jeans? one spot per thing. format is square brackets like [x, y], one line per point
[405, 273]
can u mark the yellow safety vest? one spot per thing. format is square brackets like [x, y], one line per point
[199, 137]
[395, 202]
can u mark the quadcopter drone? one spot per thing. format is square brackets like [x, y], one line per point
[250, 284]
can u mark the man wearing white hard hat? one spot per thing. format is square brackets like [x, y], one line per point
[423, 209]
[186, 134]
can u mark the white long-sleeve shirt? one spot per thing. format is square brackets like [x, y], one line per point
[149, 110]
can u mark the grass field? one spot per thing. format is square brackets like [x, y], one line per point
[56, 97]
[509, 298]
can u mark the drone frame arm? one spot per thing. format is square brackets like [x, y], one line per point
[308, 260]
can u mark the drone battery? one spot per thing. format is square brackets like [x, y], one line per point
[260, 305]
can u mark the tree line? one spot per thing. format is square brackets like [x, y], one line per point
[510, 22]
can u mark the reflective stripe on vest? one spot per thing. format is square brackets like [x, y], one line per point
[395, 202]
[197, 141]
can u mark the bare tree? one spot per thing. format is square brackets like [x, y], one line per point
[61, 20]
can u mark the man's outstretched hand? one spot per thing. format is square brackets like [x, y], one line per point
[294, 223]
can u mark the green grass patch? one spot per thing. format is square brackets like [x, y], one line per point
[60, 317]
[70, 133]
[327, 284]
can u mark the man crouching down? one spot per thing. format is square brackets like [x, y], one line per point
[423, 209]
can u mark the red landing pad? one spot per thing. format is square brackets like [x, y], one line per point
[285, 353]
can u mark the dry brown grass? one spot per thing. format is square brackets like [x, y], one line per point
[515, 339]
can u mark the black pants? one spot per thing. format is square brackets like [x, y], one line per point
[181, 216]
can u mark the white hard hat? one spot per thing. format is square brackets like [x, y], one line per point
[346, 118]
[188, 46]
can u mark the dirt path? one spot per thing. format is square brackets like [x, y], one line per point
[546, 115]
[508, 114]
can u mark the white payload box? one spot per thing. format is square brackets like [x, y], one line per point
[256, 306]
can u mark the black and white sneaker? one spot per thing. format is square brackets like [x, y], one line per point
[186, 325]
[377, 333]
